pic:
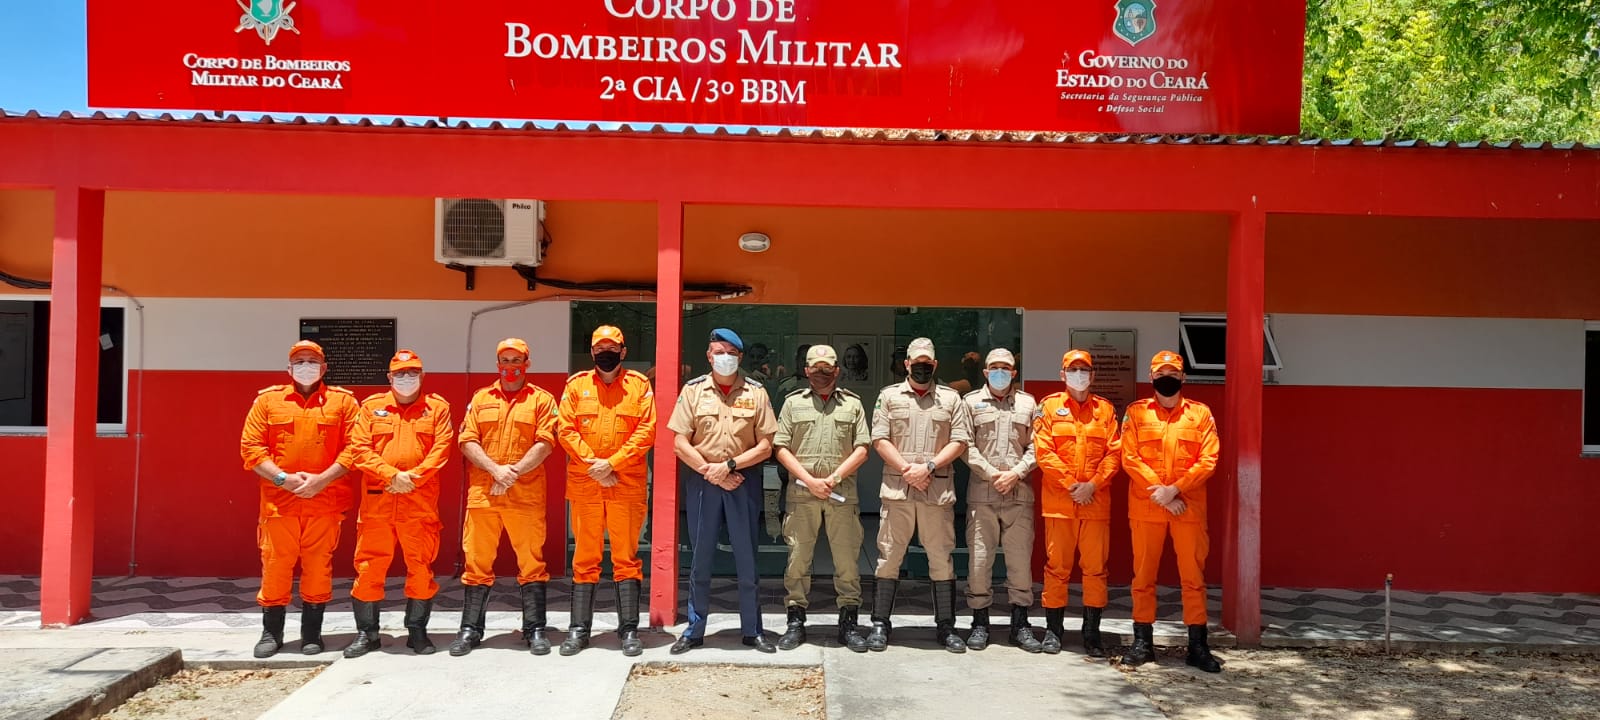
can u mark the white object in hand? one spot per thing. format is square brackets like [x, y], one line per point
[836, 497]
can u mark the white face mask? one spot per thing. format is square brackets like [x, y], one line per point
[724, 364]
[407, 386]
[306, 373]
[1078, 379]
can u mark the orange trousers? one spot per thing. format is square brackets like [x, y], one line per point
[375, 540]
[306, 539]
[1091, 540]
[1190, 544]
[592, 520]
[481, 540]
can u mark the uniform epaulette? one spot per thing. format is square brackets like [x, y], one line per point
[575, 375]
[271, 388]
[698, 380]
[438, 397]
[797, 391]
[752, 381]
[374, 396]
[636, 374]
[847, 392]
[1053, 396]
[1020, 392]
[338, 389]
[971, 393]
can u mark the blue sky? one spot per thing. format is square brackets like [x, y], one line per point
[43, 58]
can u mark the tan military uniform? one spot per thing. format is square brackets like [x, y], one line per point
[821, 435]
[919, 426]
[1002, 439]
[721, 425]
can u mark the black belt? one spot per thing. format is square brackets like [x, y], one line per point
[374, 492]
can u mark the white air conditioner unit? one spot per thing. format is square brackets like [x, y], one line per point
[479, 231]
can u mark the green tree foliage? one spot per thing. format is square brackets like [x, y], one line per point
[1453, 69]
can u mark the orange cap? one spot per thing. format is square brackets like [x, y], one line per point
[307, 345]
[512, 344]
[1073, 356]
[606, 332]
[405, 360]
[1164, 359]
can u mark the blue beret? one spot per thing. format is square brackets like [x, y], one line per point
[727, 336]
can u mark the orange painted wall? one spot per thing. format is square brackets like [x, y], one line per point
[189, 245]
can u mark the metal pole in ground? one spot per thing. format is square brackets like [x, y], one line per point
[1388, 584]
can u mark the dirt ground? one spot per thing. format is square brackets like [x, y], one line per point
[1361, 685]
[206, 694]
[689, 692]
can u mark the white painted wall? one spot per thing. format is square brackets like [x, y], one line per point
[255, 334]
[1384, 351]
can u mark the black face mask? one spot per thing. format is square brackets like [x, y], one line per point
[922, 373]
[607, 360]
[1167, 385]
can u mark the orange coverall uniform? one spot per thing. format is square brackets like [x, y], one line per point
[1169, 447]
[300, 434]
[390, 438]
[507, 426]
[1076, 442]
[615, 422]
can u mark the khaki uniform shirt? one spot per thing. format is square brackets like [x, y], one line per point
[821, 435]
[920, 426]
[1002, 439]
[720, 425]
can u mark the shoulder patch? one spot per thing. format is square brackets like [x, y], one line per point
[271, 388]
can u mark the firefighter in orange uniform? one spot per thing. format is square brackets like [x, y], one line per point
[508, 432]
[402, 440]
[1076, 445]
[608, 425]
[1169, 448]
[296, 439]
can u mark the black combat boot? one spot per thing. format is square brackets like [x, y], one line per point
[795, 635]
[471, 634]
[533, 618]
[882, 610]
[978, 639]
[849, 634]
[1022, 632]
[1091, 633]
[1200, 651]
[582, 619]
[271, 631]
[1143, 649]
[311, 627]
[367, 638]
[944, 616]
[417, 614]
[628, 617]
[1054, 619]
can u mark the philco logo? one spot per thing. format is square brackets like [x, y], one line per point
[266, 17]
[1136, 20]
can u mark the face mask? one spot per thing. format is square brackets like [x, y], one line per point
[821, 380]
[999, 379]
[406, 386]
[511, 375]
[607, 360]
[1167, 385]
[306, 373]
[922, 373]
[1078, 380]
[724, 364]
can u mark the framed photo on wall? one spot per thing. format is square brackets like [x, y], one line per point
[858, 361]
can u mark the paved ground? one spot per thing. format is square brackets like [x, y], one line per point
[214, 621]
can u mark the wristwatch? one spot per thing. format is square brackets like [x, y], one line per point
[279, 478]
[932, 467]
[733, 464]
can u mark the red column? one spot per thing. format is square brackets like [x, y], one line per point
[669, 339]
[1241, 426]
[74, 375]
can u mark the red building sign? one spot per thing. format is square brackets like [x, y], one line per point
[1144, 66]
